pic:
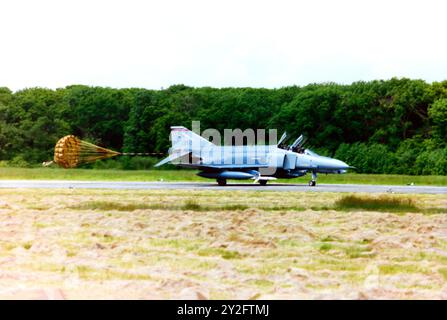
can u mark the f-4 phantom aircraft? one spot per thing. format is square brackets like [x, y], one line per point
[260, 163]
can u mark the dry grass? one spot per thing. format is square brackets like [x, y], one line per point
[223, 244]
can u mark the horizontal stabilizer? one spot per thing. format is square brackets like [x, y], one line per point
[171, 158]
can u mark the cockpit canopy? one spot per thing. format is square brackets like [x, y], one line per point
[311, 153]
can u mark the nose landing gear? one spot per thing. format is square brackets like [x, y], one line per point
[313, 182]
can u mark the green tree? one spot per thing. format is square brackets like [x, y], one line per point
[99, 114]
[30, 123]
[438, 116]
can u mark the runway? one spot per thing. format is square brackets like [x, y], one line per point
[117, 185]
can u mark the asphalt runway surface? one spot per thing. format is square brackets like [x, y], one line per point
[117, 185]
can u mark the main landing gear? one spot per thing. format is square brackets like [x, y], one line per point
[313, 182]
[222, 182]
[263, 182]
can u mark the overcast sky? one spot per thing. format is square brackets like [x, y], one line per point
[154, 44]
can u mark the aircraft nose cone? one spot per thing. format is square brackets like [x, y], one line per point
[342, 165]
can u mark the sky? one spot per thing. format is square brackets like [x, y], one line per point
[242, 43]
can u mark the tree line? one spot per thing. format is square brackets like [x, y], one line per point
[382, 126]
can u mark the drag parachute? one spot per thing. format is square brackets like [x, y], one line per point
[71, 151]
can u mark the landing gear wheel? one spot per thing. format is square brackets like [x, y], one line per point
[222, 182]
[263, 182]
[312, 183]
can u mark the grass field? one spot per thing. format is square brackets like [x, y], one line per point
[189, 175]
[221, 244]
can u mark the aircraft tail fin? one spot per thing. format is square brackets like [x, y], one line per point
[184, 141]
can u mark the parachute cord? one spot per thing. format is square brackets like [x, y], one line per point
[142, 154]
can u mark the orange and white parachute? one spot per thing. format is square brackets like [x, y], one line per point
[71, 151]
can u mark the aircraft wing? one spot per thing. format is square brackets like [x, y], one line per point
[223, 166]
[233, 166]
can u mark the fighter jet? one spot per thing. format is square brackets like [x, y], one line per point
[260, 163]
